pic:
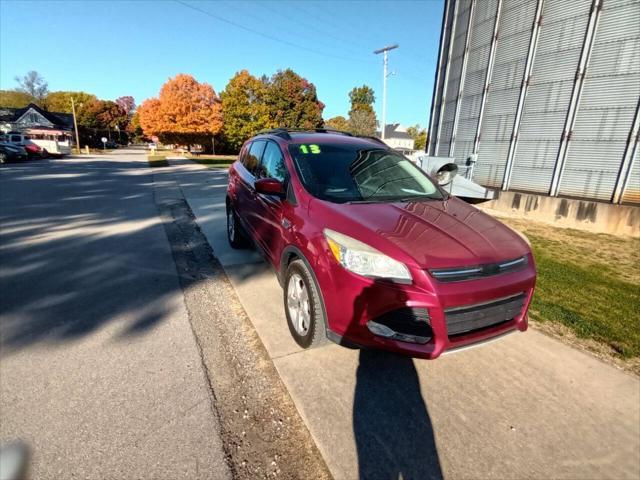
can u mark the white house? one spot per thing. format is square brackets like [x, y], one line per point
[51, 131]
[396, 136]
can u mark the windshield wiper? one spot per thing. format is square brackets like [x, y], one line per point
[412, 198]
[363, 201]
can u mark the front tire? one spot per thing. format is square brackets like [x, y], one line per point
[306, 317]
[235, 235]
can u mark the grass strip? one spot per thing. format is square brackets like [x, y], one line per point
[588, 282]
[157, 161]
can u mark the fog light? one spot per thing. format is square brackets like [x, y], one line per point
[379, 329]
[386, 332]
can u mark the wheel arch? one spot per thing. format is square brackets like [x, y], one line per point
[291, 253]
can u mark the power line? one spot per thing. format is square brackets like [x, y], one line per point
[297, 22]
[264, 35]
[290, 25]
[317, 14]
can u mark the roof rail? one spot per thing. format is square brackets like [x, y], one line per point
[281, 132]
[284, 133]
[332, 130]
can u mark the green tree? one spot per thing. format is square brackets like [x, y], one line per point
[15, 99]
[134, 129]
[293, 102]
[244, 109]
[362, 96]
[338, 123]
[61, 101]
[32, 83]
[419, 136]
[102, 115]
[362, 121]
[362, 117]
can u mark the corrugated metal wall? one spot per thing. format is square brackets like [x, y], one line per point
[481, 32]
[593, 160]
[562, 34]
[607, 104]
[442, 70]
[453, 78]
[514, 36]
[632, 193]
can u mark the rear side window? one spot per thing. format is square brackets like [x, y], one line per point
[272, 165]
[16, 138]
[252, 159]
[244, 153]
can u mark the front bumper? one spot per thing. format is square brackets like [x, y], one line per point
[352, 301]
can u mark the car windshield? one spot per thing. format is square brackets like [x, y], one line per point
[342, 173]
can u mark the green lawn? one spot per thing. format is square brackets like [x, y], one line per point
[588, 282]
[213, 161]
[157, 161]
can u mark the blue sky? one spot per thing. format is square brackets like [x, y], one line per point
[131, 48]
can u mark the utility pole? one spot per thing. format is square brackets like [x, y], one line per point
[75, 124]
[385, 74]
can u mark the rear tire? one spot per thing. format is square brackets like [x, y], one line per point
[45, 154]
[303, 307]
[235, 234]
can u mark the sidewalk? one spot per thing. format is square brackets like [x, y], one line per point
[527, 406]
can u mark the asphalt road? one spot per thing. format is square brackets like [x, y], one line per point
[527, 406]
[100, 373]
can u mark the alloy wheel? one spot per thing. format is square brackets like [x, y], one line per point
[298, 304]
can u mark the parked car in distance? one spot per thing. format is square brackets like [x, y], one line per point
[34, 150]
[11, 153]
[370, 251]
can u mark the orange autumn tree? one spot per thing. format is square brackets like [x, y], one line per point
[186, 112]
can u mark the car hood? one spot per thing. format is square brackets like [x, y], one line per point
[435, 234]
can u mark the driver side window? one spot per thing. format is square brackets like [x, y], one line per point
[252, 160]
[272, 165]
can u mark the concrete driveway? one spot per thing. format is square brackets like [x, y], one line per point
[99, 373]
[527, 406]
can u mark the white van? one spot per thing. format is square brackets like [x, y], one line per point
[52, 142]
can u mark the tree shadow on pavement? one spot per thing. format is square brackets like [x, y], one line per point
[81, 247]
[392, 428]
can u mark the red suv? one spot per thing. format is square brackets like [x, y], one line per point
[370, 251]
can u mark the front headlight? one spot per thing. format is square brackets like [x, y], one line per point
[360, 258]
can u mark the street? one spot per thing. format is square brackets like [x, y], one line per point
[108, 371]
[100, 375]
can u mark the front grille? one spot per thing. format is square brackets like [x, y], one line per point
[475, 317]
[405, 324]
[478, 271]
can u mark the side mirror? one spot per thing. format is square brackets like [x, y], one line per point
[445, 174]
[270, 186]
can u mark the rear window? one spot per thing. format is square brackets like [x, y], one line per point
[343, 173]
